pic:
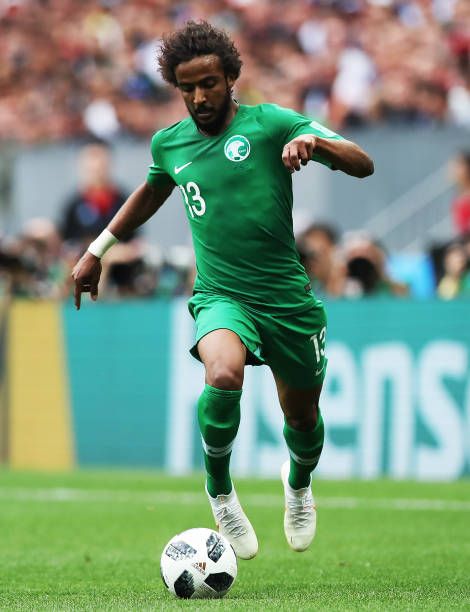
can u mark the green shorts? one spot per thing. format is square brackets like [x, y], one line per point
[293, 346]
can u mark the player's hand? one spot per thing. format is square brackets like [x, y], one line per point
[86, 275]
[298, 151]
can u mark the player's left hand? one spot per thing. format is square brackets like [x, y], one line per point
[298, 151]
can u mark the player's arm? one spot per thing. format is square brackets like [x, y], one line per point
[340, 153]
[142, 204]
[303, 140]
[136, 210]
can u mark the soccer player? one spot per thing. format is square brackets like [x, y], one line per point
[252, 300]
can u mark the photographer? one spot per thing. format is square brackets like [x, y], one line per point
[33, 265]
[366, 270]
[319, 254]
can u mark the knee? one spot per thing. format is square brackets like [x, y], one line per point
[306, 422]
[223, 376]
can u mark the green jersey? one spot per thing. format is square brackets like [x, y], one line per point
[238, 199]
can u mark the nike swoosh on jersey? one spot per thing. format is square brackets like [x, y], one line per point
[179, 168]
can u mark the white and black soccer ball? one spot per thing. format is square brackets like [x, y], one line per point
[197, 564]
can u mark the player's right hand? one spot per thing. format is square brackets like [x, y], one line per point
[86, 275]
[298, 151]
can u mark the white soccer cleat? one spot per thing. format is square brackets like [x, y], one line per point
[300, 518]
[233, 524]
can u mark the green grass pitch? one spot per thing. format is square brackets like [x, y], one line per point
[92, 541]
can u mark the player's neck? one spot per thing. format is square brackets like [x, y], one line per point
[232, 111]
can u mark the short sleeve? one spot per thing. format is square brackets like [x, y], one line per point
[287, 124]
[157, 174]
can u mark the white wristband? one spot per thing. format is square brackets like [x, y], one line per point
[104, 242]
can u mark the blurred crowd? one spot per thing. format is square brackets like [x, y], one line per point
[38, 262]
[71, 68]
[355, 265]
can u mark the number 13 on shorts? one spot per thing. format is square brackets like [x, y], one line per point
[318, 341]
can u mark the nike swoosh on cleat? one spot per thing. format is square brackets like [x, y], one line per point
[179, 168]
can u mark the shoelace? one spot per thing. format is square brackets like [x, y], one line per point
[300, 510]
[231, 520]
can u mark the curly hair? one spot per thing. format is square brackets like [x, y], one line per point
[193, 40]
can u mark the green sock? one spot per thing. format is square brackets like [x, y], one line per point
[305, 449]
[219, 418]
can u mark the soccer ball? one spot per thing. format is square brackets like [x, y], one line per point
[198, 563]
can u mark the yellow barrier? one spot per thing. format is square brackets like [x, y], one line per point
[3, 381]
[40, 434]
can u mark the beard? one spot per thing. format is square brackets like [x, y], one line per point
[215, 124]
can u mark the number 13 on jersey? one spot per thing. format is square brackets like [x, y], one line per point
[193, 199]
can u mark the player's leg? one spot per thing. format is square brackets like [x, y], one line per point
[226, 339]
[304, 435]
[223, 355]
[295, 353]
[303, 430]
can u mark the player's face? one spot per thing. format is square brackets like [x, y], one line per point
[206, 92]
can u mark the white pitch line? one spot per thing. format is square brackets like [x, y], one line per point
[257, 500]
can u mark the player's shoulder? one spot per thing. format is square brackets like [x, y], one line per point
[171, 132]
[268, 109]
[281, 118]
[275, 117]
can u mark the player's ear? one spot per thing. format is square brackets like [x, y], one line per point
[230, 81]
